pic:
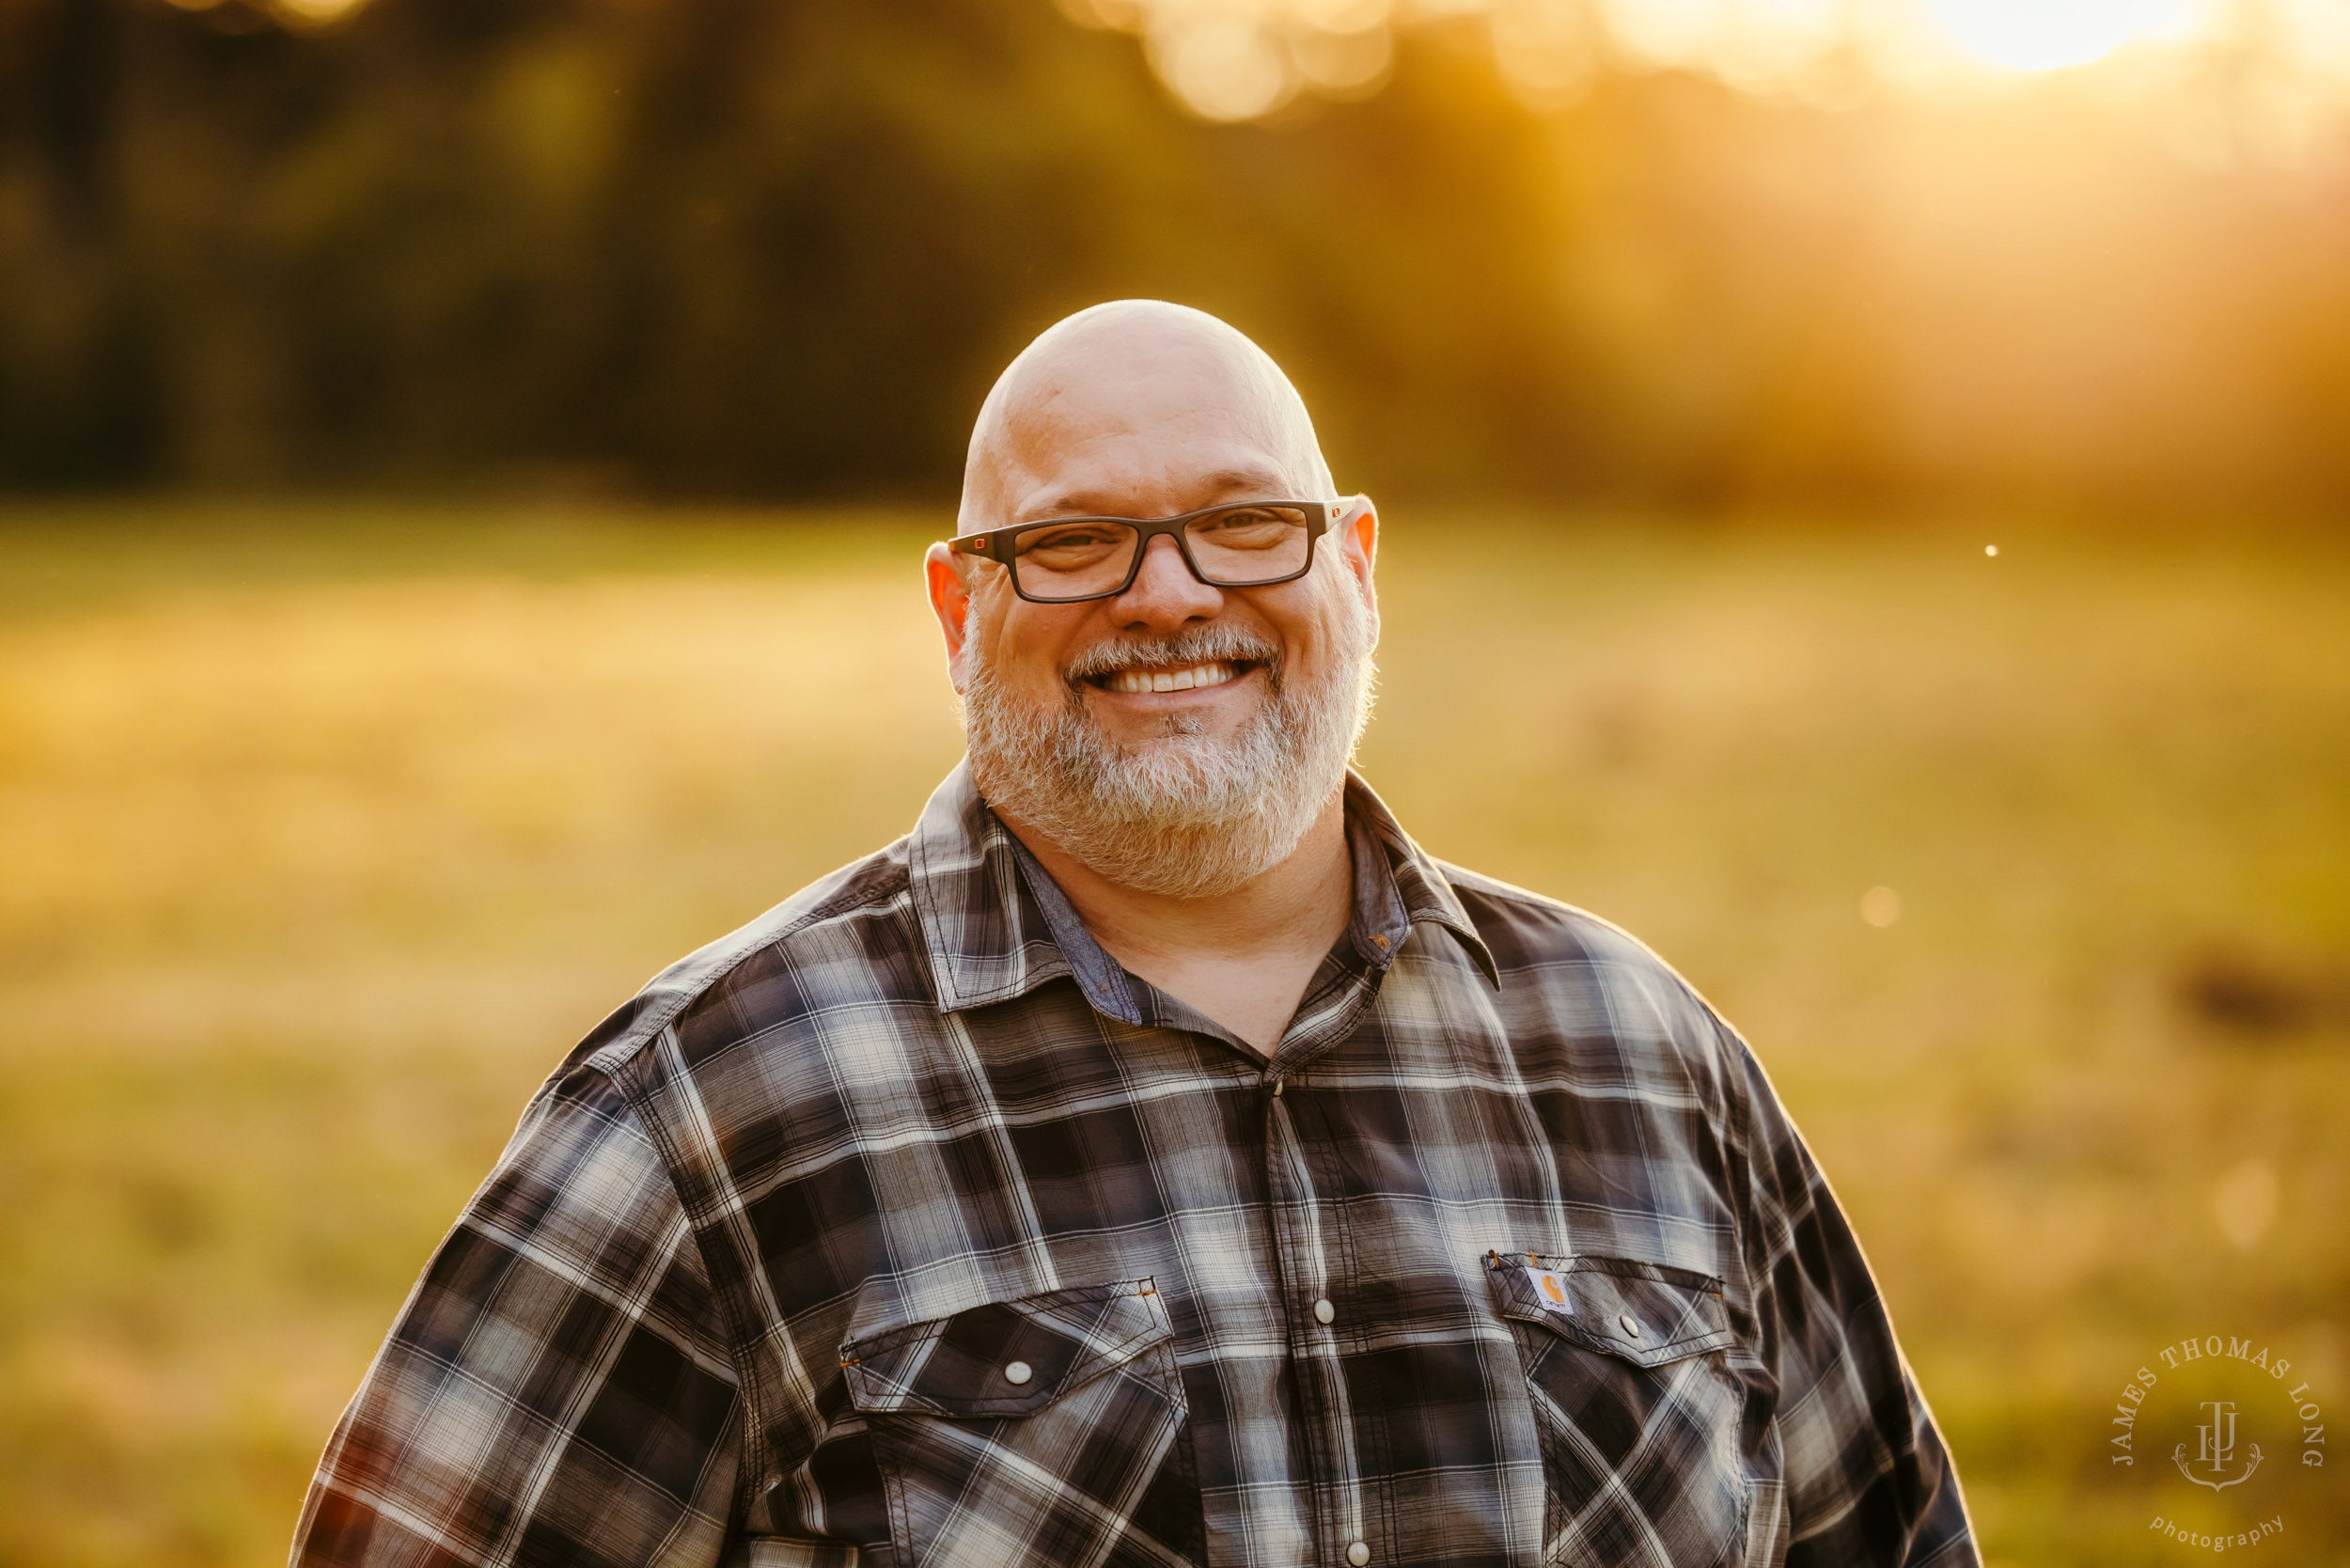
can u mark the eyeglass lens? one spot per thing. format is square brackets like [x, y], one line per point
[1232, 546]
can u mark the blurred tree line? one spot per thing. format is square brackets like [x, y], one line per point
[778, 248]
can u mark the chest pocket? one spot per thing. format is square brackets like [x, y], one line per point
[1638, 1416]
[1050, 1430]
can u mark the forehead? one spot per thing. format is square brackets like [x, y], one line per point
[1101, 433]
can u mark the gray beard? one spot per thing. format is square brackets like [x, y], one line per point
[1181, 814]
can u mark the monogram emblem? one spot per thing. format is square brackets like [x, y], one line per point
[2215, 1448]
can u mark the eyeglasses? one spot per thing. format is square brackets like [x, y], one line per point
[1239, 544]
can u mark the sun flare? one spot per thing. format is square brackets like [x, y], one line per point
[2051, 35]
[1243, 60]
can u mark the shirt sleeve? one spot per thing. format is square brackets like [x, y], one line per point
[556, 1389]
[1869, 1480]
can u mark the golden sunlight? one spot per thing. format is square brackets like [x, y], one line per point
[1243, 59]
[2050, 35]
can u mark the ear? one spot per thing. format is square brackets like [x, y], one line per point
[951, 601]
[1357, 538]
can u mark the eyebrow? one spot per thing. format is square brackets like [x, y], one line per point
[1085, 503]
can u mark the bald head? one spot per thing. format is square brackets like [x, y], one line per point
[1136, 408]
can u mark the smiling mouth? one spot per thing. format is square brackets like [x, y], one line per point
[1184, 677]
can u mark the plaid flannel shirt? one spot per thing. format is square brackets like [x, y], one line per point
[905, 1227]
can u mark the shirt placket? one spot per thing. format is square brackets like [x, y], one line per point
[1314, 1257]
[1309, 1273]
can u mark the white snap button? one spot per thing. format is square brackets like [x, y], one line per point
[1359, 1554]
[1324, 1311]
[1019, 1372]
[1631, 1325]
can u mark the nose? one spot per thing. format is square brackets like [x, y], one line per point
[1165, 594]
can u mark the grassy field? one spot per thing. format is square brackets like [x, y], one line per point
[323, 832]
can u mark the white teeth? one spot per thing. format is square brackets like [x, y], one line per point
[1171, 681]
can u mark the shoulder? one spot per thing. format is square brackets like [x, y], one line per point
[839, 940]
[1590, 980]
[1527, 931]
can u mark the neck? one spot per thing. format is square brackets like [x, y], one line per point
[1244, 957]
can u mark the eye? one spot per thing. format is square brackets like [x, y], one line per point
[1080, 537]
[1075, 535]
[1069, 546]
[1256, 528]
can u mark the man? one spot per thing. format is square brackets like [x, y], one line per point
[1154, 1158]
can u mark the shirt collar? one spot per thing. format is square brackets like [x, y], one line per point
[1418, 881]
[998, 926]
[986, 938]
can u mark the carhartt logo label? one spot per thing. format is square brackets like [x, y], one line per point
[1551, 1286]
[2216, 1448]
[2244, 1435]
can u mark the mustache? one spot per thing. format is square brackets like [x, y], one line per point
[1196, 644]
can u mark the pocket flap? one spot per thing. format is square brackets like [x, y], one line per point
[1007, 1357]
[1644, 1313]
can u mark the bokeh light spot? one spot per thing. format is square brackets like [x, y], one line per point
[313, 14]
[2245, 1203]
[1226, 69]
[2051, 35]
[1345, 63]
[1880, 907]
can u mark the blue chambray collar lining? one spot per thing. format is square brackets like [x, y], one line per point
[996, 925]
[1418, 881]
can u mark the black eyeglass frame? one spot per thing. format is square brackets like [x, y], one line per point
[995, 543]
